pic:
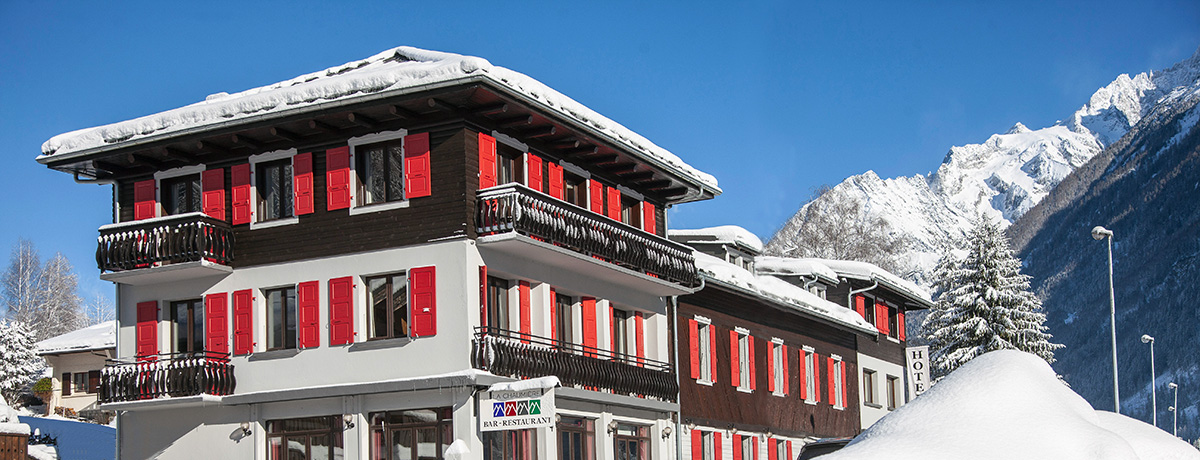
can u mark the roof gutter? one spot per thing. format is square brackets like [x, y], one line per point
[794, 308]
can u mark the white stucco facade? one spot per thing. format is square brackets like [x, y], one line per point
[873, 411]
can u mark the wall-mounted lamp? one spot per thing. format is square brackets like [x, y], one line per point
[690, 425]
[732, 429]
[348, 420]
[666, 432]
[612, 426]
[245, 428]
[770, 434]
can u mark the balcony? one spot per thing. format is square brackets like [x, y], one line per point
[511, 210]
[163, 376]
[512, 354]
[164, 249]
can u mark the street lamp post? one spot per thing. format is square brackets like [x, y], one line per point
[1174, 409]
[1146, 338]
[1100, 233]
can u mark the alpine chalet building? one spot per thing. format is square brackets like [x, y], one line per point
[356, 263]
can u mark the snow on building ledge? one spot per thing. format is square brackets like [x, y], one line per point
[392, 72]
[786, 266]
[98, 337]
[725, 234]
[870, 272]
[779, 291]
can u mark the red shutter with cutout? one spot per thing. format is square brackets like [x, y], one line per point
[147, 331]
[216, 322]
[533, 170]
[771, 366]
[418, 181]
[639, 326]
[735, 372]
[649, 223]
[483, 296]
[341, 310]
[694, 347]
[526, 314]
[240, 193]
[553, 314]
[308, 314]
[717, 445]
[737, 447]
[860, 306]
[832, 368]
[789, 450]
[614, 203]
[596, 196]
[337, 179]
[555, 186]
[816, 372]
[787, 377]
[881, 318]
[900, 323]
[750, 359]
[772, 449]
[697, 445]
[422, 291]
[845, 382]
[588, 305]
[212, 182]
[712, 353]
[243, 322]
[487, 161]
[145, 205]
[800, 375]
[754, 445]
[612, 331]
[302, 183]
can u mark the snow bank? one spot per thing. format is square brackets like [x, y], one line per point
[542, 383]
[729, 234]
[98, 337]
[9, 423]
[394, 71]
[778, 290]
[1008, 405]
[787, 266]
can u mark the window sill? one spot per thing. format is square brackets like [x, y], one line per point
[873, 405]
[893, 339]
[378, 207]
[273, 354]
[275, 223]
[379, 344]
[810, 402]
[704, 382]
[776, 393]
[838, 408]
[745, 390]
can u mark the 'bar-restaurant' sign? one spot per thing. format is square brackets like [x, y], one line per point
[516, 410]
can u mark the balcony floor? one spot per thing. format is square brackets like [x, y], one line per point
[167, 273]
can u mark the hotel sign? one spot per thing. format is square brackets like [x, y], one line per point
[516, 410]
[918, 370]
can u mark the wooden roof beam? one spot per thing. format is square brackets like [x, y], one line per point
[674, 192]
[176, 154]
[540, 131]
[362, 120]
[587, 150]
[435, 103]
[285, 134]
[621, 168]
[322, 126]
[136, 158]
[657, 184]
[206, 146]
[515, 121]
[247, 141]
[636, 176]
[602, 159]
[403, 112]
[493, 109]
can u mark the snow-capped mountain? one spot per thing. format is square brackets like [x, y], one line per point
[1009, 173]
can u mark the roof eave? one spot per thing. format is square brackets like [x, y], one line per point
[792, 308]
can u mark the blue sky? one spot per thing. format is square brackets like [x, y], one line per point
[772, 98]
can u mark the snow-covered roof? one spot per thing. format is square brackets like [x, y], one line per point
[1005, 405]
[725, 234]
[871, 272]
[395, 71]
[788, 266]
[779, 291]
[98, 337]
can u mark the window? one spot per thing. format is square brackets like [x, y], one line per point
[305, 438]
[632, 442]
[181, 195]
[388, 297]
[422, 434]
[497, 305]
[869, 310]
[893, 390]
[893, 318]
[380, 171]
[281, 318]
[187, 326]
[708, 446]
[620, 338]
[781, 451]
[79, 382]
[564, 322]
[777, 367]
[631, 212]
[838, 382]
[748, 448]
[575, 190]
[705, 350]
[275, 191]
[576, 438]
[818, 290]
[744, 370]
[510, 166]
[869, 377]
[810, 375]
[510, 445]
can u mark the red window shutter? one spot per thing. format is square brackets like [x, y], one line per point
[145, 205]
[649, 224]
[596, 196]
[694, 345]
[900, 323]
[487, 161]
[845, 382]
[772, 449]
[697, 445]
[526, 314]
[717, 445]
[832, 368]
[422, 291]
[553, 315]
[588, 306]
[860, 306]
[240, 193]
[337, 179]
[614, 203]
[881, 318]
[800, 374]
[341, 310]
[212, 182]
[770, 366]
[786, 376]
[302, 185]
[483, 296]
[243, 322]
[147, 330]
[789, 450]
[754, 445]
[816, 372]
[556, 180]
[712, 353]
[418, 182]
[612, 330]
[737, 447]
[533, 170]
[639, 326]
[735, 372]
[750, 359]
[308, 314]
[216, 322]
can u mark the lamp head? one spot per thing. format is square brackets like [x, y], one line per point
[1099, 232]
[1147, 339]
[1172, 385]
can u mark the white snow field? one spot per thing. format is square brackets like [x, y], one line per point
[1009, 405]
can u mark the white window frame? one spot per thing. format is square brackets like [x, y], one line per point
[704, 349]
[743, 360]
[356, 207]
[747, 447]
[781, 449]
[839, 381]
[868, 387]
[777, 358]
[172, 173]
[893, 335]
[263, 158]
[708, 447]
[810, 375]
[894, 397]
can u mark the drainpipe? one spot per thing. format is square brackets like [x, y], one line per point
[808, 282]
[679, 400]
[850, 298]
[92, 181]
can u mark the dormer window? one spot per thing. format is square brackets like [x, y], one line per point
[380, 172]
[181, 195]
[274, 188]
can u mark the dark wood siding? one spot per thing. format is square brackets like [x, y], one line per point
[878, 347]
[722, 404]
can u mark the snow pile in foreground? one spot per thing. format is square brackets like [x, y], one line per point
[9, 423]
[1007, 405]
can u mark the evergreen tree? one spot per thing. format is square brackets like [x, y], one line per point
[984, 304]
[19, 364]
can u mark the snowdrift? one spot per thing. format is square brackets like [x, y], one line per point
[1009, 405]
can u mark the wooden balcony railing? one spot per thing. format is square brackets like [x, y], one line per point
[167, 375]
[513, 354]
[516, 208]
[188, 237]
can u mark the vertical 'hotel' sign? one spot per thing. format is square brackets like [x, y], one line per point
[918, 370]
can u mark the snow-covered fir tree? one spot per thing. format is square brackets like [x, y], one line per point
[984, 304]
[19, 364]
